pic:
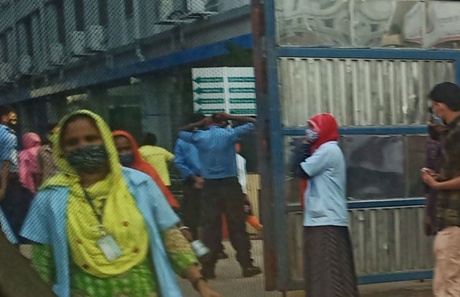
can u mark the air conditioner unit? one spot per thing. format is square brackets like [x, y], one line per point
[196, 6]
[196, 9]
[25, 65]
[56, 53]
[6, 73]
[96, 39]
[229, 5]
[77, 44]
[171, 12]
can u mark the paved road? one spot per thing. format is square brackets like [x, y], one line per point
[230, 283]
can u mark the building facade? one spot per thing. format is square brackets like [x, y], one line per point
[128, 60]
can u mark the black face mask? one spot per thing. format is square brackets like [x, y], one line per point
[126, 159]
[88, 159]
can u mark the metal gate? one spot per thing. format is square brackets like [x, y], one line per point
[315, 56]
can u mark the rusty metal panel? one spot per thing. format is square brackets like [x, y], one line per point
[385, 240]
[359, 92]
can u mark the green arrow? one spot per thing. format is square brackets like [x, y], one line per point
[200, 80]
[210, 110]
[242, 100]
[239, 79]
[210, 100]
[243, 111]
[209, 90]
[242, 90]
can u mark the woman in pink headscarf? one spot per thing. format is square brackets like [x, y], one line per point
[28, 160]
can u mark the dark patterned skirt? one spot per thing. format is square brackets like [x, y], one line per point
[329, 269]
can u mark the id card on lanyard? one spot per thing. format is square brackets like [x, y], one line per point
[106, 242]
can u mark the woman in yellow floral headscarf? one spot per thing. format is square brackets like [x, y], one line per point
[103, 230]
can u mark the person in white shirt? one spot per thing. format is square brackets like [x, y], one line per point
[242, 179]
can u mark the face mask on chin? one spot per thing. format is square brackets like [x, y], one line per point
[438, 120]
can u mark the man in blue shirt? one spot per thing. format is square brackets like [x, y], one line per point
[14, 198]
[188, 163]
[221, 191]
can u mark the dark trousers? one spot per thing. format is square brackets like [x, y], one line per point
[191, 207]
[15, 206]
[224, 196]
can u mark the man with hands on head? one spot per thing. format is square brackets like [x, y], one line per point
[221, 192]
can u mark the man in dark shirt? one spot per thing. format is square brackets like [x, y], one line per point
[436, 131]
[446, 105]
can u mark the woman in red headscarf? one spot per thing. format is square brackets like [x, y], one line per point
[130, 157]
[328, 256]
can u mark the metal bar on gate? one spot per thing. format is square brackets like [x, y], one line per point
[371, 204]
[274, 150]
[367, 103]
[260, 73]
[379, 278]
[367, 130]
[380, 92]
[362, 53]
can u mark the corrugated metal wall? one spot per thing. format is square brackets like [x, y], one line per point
[359, 92]
[384, 241]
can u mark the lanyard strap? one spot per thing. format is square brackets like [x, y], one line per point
[100, 215]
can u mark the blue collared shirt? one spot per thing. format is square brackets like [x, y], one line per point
[216, 149]
[8, 148]
[186, 159]
[325, 198]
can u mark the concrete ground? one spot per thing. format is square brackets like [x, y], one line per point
[230, 283]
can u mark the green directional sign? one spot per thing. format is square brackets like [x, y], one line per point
[210, 100]
[243, 111]
[242, 100]
[242, 90]
[224, 89]
[210, 110]
[202, 80]
[209, 90]
[241, 79]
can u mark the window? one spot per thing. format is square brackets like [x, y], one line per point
[4, 48]
[60, 19]
[29, 35]
[129, 8]
[103, 14]
[79, 15]
[378, 166]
